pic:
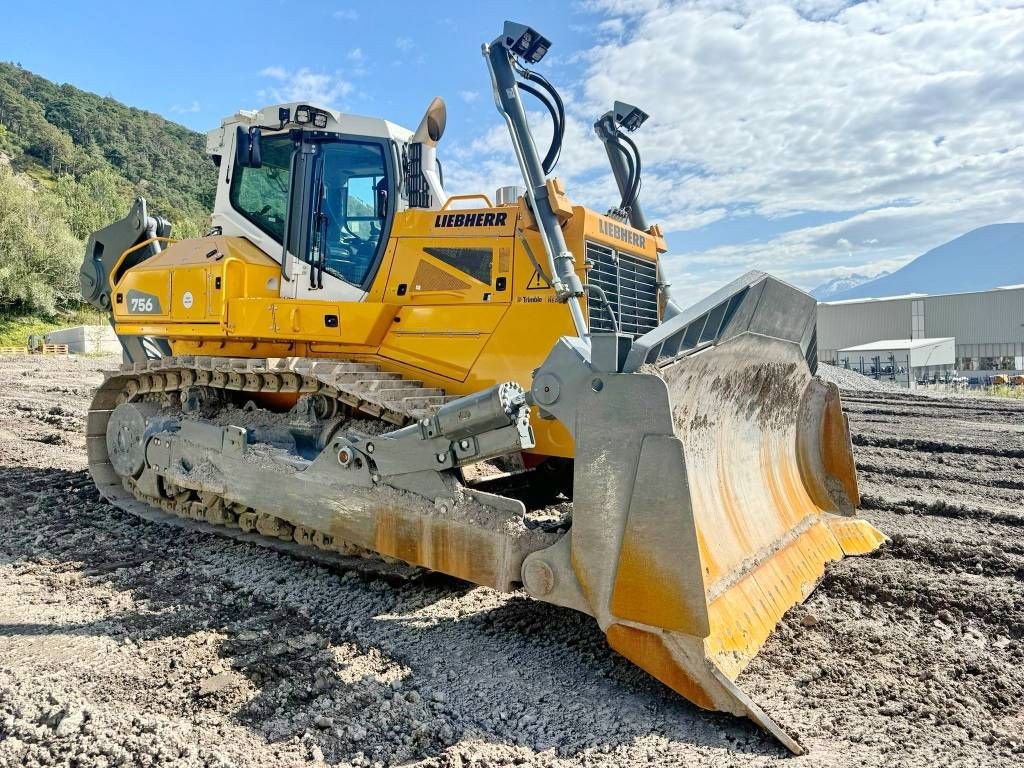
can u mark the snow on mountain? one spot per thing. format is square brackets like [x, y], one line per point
[827, 290]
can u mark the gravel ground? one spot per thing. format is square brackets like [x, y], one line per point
[124, 642]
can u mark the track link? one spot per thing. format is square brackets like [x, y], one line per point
[342, 386]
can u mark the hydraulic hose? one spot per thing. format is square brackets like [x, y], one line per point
[630, 175]
[555, 106]
[635, 186]
[596, 289]
[548, 163]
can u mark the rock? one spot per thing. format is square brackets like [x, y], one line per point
[945, 617]
[324, 722]
[809, 620]
[891, 708]
[217, 683]
[71, 722]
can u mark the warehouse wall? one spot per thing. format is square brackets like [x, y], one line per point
[988, 325]
[992, 317]
[854, 323]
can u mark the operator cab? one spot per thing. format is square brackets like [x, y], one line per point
[347, 206]
[315, 190]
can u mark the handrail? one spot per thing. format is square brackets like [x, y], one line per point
[485, 198]
[137, 246]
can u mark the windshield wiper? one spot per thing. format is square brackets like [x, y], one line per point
[316, 273]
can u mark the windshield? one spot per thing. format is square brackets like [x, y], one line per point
[352, 204]
[261, 194]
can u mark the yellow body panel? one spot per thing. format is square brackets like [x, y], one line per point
[455, 327]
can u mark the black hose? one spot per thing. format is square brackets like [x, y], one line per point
[549, 159]
[557, 114]
[607, 304]
[635, 187]
[630, 170]
[546, 85]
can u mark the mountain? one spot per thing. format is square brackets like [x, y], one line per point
[984, 258]
[49, 131]
[71, 162]
[827, 290]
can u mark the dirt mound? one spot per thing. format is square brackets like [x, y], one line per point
[847, 379]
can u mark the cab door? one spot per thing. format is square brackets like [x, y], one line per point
[351, 209]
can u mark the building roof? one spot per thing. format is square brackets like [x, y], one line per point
[886, 344]
[1000, 289]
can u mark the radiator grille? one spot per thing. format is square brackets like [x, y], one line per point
[631, 285]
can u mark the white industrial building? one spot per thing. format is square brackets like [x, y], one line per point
[906, 362]
[987, 327]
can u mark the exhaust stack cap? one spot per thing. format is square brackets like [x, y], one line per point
[431, 127]
[508, 195]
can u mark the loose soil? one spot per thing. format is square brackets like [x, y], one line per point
[125, 642]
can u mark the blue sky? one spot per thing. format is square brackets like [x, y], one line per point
[810, 138]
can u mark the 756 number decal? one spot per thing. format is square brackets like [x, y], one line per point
[141, 303]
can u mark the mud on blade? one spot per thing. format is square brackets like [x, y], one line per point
[710, 490]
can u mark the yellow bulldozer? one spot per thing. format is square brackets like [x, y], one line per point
[356, 367]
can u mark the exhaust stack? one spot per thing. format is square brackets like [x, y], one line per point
[424, 144]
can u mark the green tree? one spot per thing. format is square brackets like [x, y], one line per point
[39, 256]
[99, 198]
[97, 155]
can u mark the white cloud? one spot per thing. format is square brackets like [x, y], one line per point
[318, 88]
[614, 26]
[889, 236]
[900, 118]
[404, 43]
[277, 73]
[346, 14]
[469, 96]
[356, 54]
[907, 110]
[179, 109]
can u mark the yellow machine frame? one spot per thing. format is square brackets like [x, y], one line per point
[421, 317]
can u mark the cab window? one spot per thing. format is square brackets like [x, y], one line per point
[261, 194]
[353, 203]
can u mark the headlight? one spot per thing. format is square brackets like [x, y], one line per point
[525, 42]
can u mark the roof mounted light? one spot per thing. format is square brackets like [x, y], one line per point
[628, 116]
[525, 42]
[305, 114]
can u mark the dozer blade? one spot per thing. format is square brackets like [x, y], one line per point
[710, 490]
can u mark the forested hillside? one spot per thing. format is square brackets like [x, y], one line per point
[71, 162]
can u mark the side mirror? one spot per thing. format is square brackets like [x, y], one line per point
[247, 147]
[382, 202]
